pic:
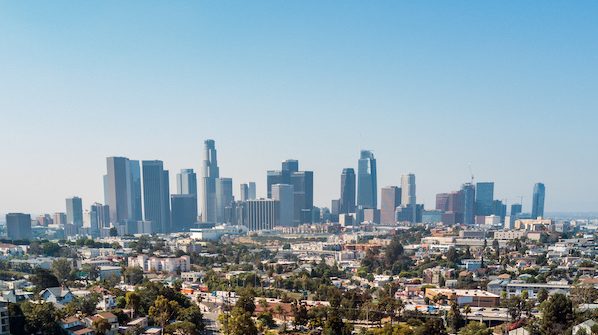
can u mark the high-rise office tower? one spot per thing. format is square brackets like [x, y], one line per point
[538, 200]
[224, 198]
[135, 196]
[390, 200]
[335, 206]
[347, 201]
[442, 202]
[18, 226]
[99, 219]
[303, 191]
[285, 196]
[183, 208]
[499, 209]
[156, 195]
[252, 192]
[74, 211]
[244, 192]
[209, 173]
[468, 203]
[303, 188]
[484, 198]
[408, 190]
[262, 214]
[122, 189]
[186, 182]
[367, 184]
[60, 218]
[516, 209]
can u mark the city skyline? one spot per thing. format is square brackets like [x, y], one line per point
[223, 191]
[426, 92]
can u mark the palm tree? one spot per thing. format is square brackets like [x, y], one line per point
[466, 310]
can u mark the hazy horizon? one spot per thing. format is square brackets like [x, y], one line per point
[430, 87]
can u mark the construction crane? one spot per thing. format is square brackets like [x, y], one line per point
[471, 173]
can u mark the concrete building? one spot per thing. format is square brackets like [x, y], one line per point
[122, 189]
[262, 214]
[183, 209]
[390, 200]
[18, 226]
[348, 188]
[284, 194]
[156, 195]
[74, 212]
[186, 182]
[538, 201]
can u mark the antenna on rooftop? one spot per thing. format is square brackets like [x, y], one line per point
[470, 172]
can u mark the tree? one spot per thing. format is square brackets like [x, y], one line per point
[193, 315]
[496, 248]
[181, 328]
[557, 314]
[61, 268]
[431, 326]
[583, 294]
[466, 310]
[113, 231]
[133, 275]
[133, 301]
[299, 314]
[542, 295]
[163, 310]
[42, 279]
[101, 326]
[40, 318]
[246, 301]
[334, 324]
[454, 318]
[475, 328]
[393, 251]
[239, 322]
[515, 307]
[86, 305]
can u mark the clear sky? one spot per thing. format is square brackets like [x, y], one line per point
[510, 87]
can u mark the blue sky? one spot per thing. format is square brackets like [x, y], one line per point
[430, 86]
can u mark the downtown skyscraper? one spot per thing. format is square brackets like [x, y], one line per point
[303, 188]
[367, 182]
[538, 200]
[484, 198]
[122, 189]
[156, 195]
[390, 200]
[347, 201]
[209, 174]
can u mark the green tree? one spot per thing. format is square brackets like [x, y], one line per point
[454, 318]
[133, 275]
[239, 322]
[163, 310]
[61, 268]
[431, 326]
[133, 301]
[181, 328]
[40, 318]
[557, 314]
[246, 301]
[101, 326]
[475, 328]
[42, 279]
[334, 324]
[393, 251]
[193, 315]
[86, 305]
[299, 314]
[542, 295]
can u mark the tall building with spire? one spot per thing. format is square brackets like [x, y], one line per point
[367, 184]
[209, 174]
